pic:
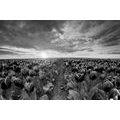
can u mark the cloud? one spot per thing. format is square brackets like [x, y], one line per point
[28, 53]
[17, 50]
[28, 33]
[89, 36]
[60, 38]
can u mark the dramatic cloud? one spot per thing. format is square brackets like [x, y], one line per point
[60, 38]
[91, 36]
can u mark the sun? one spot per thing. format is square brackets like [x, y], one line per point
[43, 55]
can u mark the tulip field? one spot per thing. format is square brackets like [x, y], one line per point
[60, 79]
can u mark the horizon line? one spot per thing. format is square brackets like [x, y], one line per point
[58, 58]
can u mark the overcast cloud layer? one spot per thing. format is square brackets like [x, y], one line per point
[19, 39]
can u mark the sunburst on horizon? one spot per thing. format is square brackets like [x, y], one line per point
[43, 55]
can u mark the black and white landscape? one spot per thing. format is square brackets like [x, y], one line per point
[59, 60]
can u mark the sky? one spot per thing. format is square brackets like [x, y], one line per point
[59, 38]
